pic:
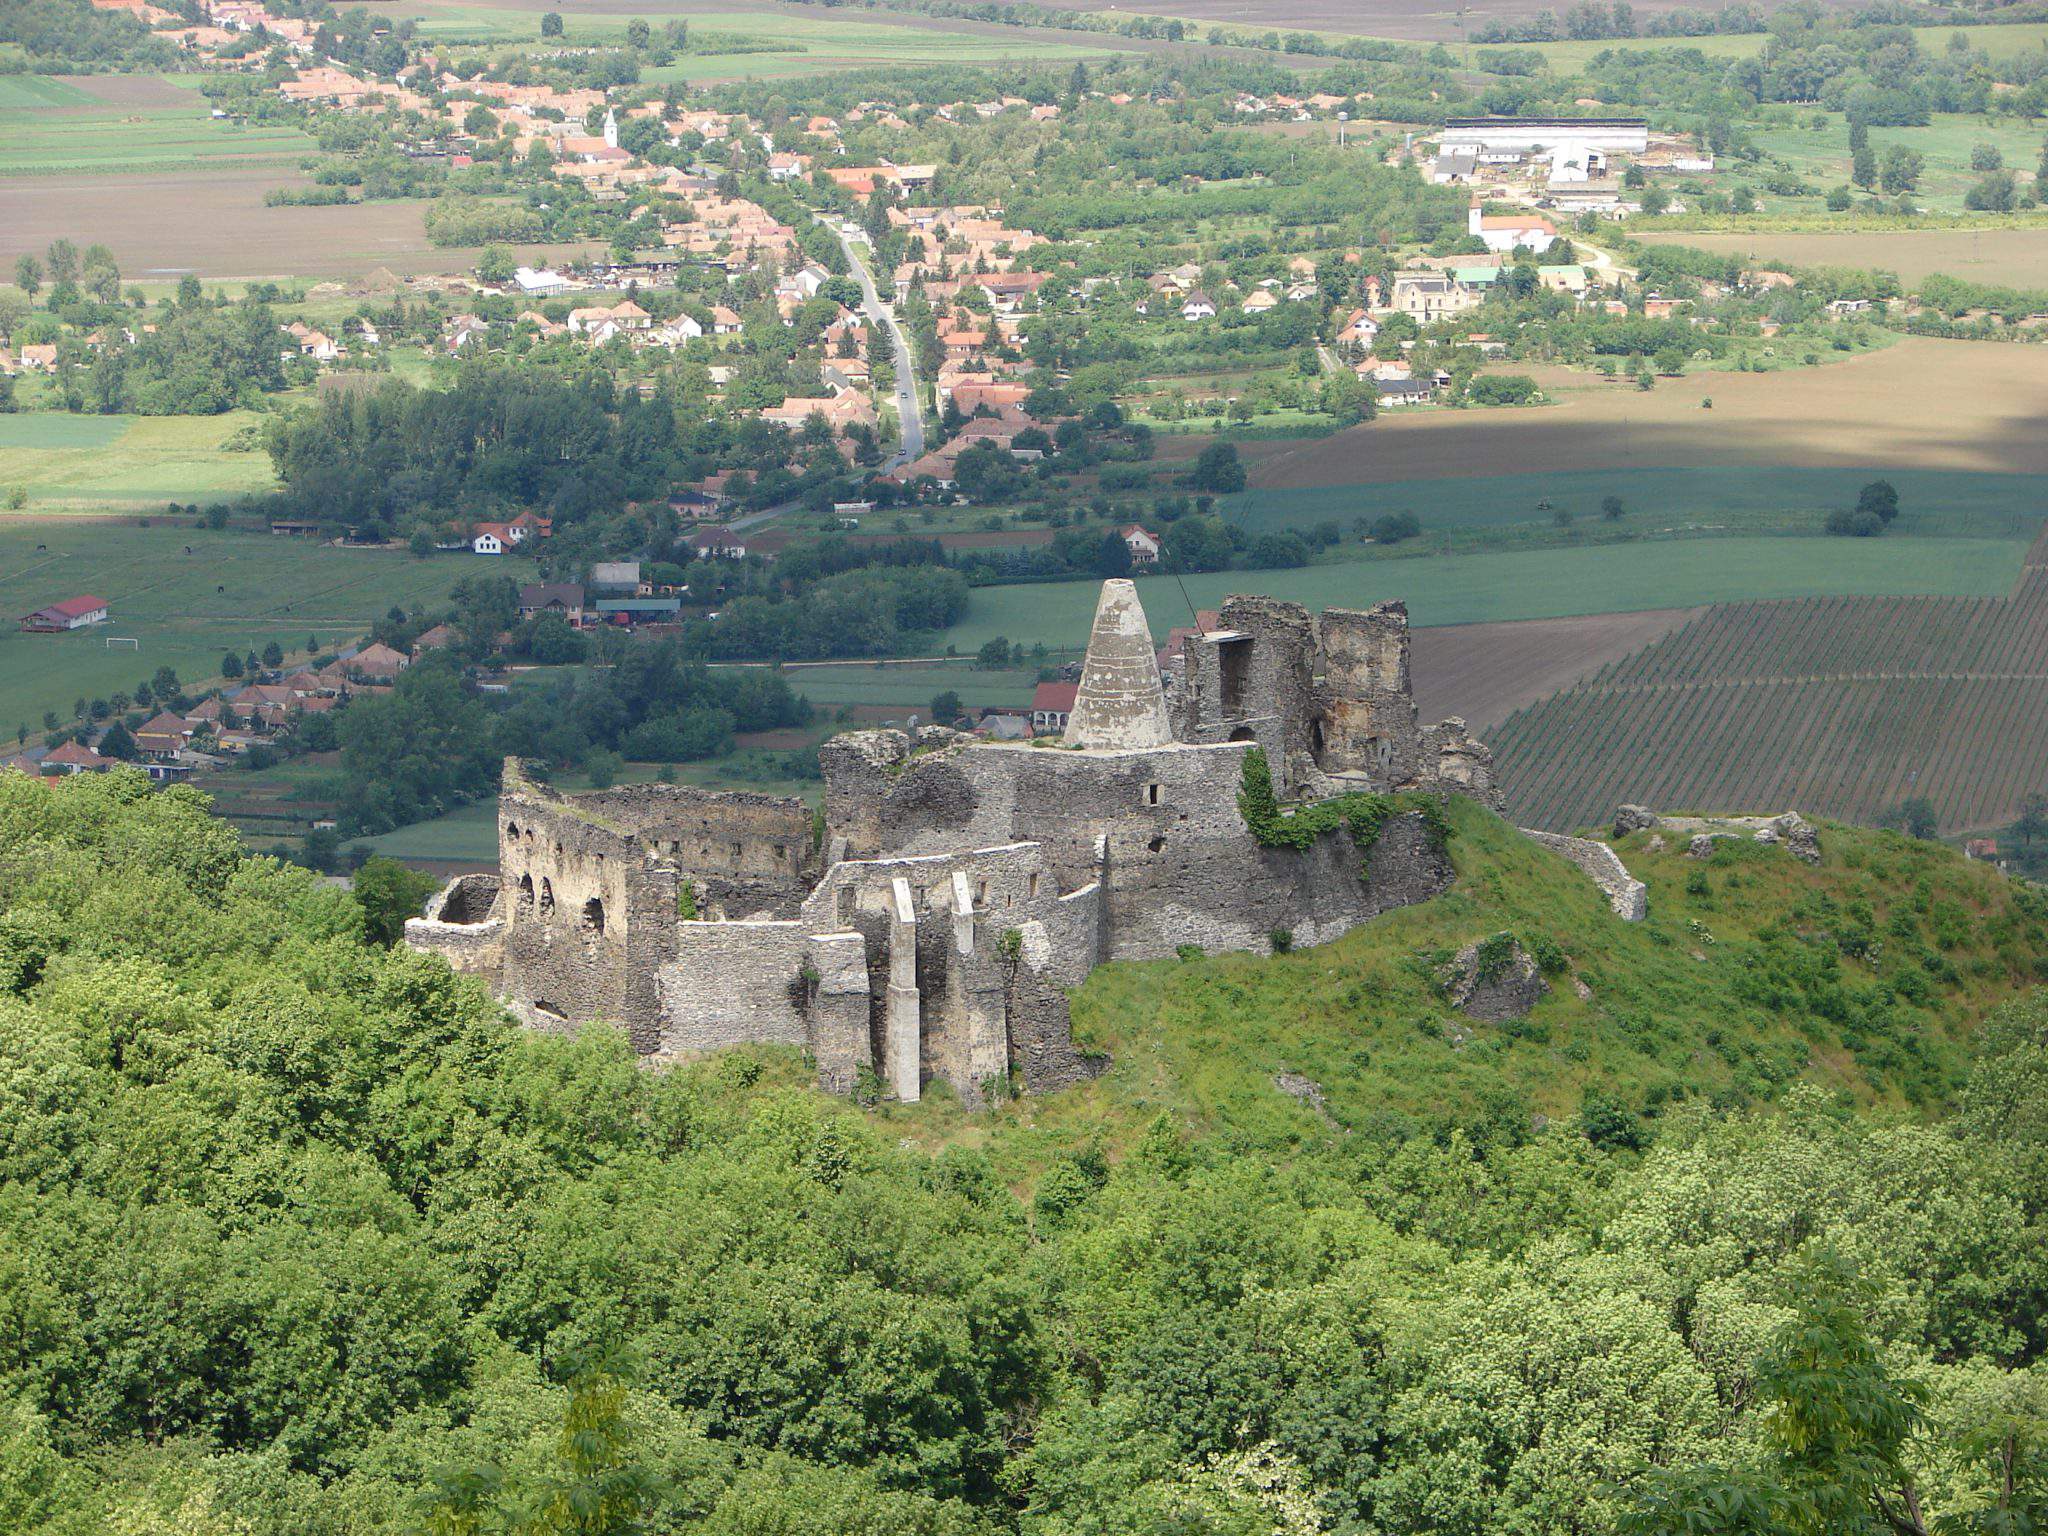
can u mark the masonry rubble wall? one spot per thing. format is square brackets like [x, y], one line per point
[464, 922]
[1627, 895]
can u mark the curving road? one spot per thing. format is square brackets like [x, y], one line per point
[909, 410]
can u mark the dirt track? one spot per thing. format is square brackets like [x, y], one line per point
[1918, 404]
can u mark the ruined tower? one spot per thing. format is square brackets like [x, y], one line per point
[1121, 704]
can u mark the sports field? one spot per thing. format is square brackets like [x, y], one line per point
[186, 595]
[1531, 584]
[1918, 404]
[108, 463]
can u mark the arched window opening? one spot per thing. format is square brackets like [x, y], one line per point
[547, 898]
[593, 919]
[526, 895]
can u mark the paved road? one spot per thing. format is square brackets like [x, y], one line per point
[909, 410]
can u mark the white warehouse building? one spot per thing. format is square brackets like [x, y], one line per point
[1542, 137]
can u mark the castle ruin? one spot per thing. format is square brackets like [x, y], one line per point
[930, 922]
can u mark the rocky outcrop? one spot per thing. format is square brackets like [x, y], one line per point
[1495, 979]
[1798, 835]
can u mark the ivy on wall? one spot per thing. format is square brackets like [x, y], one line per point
[1298, 829]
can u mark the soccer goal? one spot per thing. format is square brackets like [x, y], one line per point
[130, 641]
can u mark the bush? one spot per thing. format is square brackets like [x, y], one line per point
[1393, 527]
[1854, 525]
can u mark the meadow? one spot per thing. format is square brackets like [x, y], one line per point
[1842, 707]
[187, 595]
[1530, 584]
[1817, 149]
[109, 463]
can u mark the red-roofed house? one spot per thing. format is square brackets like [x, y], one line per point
[72, 613]
[1051, 703]
[1143, 544]
[73, 758]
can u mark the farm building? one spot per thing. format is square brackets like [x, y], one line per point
[1486, 136]
[72, 613]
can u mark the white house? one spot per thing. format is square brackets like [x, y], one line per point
[1197, 307]
[1504, 231]
[1143, 545]
[487, 544]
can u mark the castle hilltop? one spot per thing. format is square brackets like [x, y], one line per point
[931, 922]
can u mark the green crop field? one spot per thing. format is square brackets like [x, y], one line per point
[107, 463]
[120, 138]
[910, 687]
[1840, 707]
[1533, 584]
[186, 595]
[1999, 40]
[753, 44]
[1776, 499]
[29, 91]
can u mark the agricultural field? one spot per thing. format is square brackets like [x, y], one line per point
[762, 41]
[1854, 414]
[1482, 673]
[161, 125]
[2015, 258]
[1841, 707]
[186, 595]
[1656, 501]
[1529, 584]
[213, 222]
[109, 463]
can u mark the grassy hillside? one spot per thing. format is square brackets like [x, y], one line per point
[1864, 975]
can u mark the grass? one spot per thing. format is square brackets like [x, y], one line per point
[1776, 500]
[1821, 155]
[187, 595]
[1532, 584]
[117, 139]
[911, 687]
[108, 463]
[1711, 996]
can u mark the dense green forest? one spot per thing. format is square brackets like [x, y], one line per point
[298, 1234]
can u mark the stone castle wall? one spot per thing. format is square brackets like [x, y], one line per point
[958, 890]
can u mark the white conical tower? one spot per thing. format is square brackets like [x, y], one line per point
[1120, 703]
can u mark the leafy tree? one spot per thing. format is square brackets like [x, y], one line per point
[1612, 508]
[1986, 157]
[28, 272]
[1880, 498]
[230, 666]
[1899, 172]
[389, 893]
[1218, 470]
[116, 742]
[1996, 193]
[945, 707]
[551, 24]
